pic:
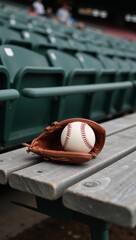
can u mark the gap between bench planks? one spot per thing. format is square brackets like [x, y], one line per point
[49, 180]
[109, 194]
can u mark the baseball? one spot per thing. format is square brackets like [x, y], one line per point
[78, 137]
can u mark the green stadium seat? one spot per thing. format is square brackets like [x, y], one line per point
[40, 29]
[107, 51]
[45, 28]
[60, 43]
[91, 49]
[128, 95]
[3, 22]
[76, 46]
[123, 98]
[68, 45]
[100, 106]
[72, 106]
[38, 42]
[15, 25]
[26, 118]
[65, 29]
[86, 36]
[16, 20]
[12, 37]
[57, 33]
[4, 15]
[4, 85]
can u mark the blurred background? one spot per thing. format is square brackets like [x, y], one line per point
[116, 13]
[114, 17]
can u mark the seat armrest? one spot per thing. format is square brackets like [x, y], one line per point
[8, 94]
[69, 90]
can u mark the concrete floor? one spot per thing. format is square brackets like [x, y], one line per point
[15, 219]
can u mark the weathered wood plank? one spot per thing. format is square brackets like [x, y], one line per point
[49, 180]
[15, 160]
[109, 194]
[119, 124]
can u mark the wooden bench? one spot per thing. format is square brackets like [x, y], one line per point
[110, 175]
[109, 194]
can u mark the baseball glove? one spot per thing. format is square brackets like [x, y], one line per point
[48, 143]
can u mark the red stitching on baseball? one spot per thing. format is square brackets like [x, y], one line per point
[84, 136]
[69, 128]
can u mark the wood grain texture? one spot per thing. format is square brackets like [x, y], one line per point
[15, 160]
[119, 124]
[18, 159]
[49, 180]
[110, 194]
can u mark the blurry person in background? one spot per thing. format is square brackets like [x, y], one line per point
[39, 7]
[71, 20]
[63, 14]
[32, 11]
[49, 12]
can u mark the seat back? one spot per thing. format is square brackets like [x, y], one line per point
[38, 42]
[72, 106]
[10, 36]
[28, 117]
[128, 97]
[60, 59]
[108, 62]
[60, 43]
[123, 99]
[4, 84]
[15, 58]
[100, 105]
[88, 61]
